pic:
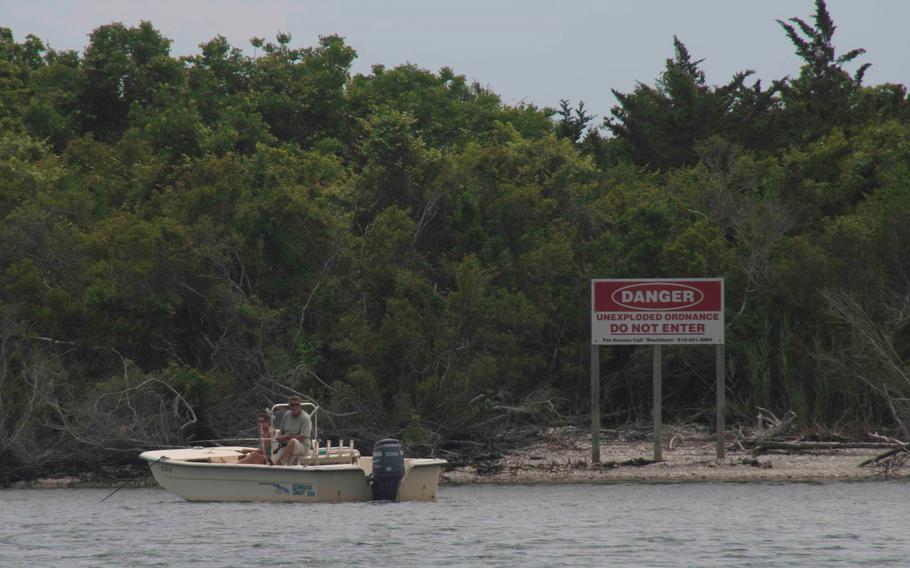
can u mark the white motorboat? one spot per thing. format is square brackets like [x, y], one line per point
[330, 473]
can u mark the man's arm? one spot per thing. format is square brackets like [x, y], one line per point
[285, 438]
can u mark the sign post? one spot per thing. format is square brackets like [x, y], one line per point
[657, 312]
[721, 401]
[595, 404]
[657, 411]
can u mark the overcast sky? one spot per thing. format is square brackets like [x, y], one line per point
[532, 51]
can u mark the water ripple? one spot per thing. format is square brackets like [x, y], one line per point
[729, 525]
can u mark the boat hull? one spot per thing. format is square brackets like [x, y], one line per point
[189, 474]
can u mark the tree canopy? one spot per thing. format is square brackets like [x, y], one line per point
[186, 239]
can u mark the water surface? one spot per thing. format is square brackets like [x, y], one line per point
[705, 524]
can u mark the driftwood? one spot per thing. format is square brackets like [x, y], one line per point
[769, 426]
[769, 429]
[902, 449]
[634, 462]
[815, 446]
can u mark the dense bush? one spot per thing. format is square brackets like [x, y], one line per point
[187, 239]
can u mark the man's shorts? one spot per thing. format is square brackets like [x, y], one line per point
[300, 449]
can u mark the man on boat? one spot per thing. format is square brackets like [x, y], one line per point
[293, 433]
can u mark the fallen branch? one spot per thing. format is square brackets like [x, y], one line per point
[885, 455]
[770, 426]
[888, 439]
[814, 446]
[634, 462]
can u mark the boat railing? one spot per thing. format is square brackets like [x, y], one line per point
[342, 451]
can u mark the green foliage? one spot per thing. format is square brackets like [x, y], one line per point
[299, 92]
[572, 122]
[445, 110]
[824, 95]
[124, 69]
[416, 254]
[659, 126]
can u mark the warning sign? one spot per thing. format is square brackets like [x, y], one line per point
[665, 311]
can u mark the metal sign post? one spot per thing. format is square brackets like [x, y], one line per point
[721, 401]
[657, 312]
[595, 404]
[657, 412]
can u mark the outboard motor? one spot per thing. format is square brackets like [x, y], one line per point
[388, 469]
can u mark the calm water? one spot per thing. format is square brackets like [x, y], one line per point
[838, 524]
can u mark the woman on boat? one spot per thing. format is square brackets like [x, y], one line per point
[265, 435]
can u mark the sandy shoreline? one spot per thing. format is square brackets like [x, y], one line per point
[564, 456]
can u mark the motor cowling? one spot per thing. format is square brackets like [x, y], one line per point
[388, 469]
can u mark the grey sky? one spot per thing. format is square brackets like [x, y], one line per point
[532, 51]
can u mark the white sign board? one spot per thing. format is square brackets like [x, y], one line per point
[657, 311]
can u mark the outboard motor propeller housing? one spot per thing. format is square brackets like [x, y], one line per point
[388, 469]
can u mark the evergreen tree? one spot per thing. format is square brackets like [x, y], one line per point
[824, 95]
[659, 126]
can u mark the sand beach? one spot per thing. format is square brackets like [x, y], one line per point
[563, 455]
